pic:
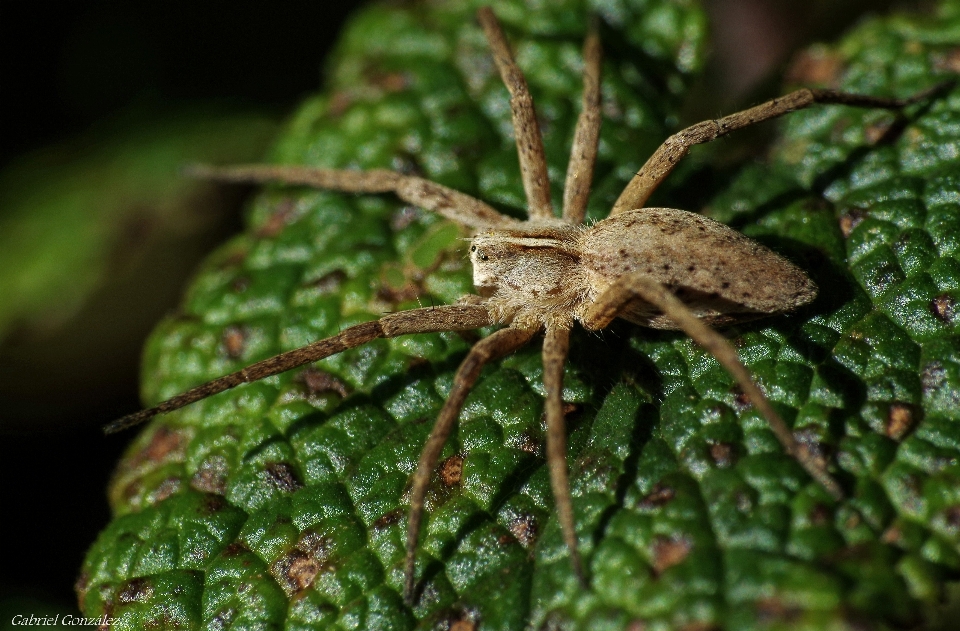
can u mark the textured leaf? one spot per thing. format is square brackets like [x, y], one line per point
[282, 503]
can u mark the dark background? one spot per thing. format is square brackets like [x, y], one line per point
[63, 68]
[67, 66]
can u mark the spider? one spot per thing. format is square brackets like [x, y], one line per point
[655, 267]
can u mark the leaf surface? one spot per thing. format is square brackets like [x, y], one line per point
[282, 504]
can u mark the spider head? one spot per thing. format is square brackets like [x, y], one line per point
[535, 269]
[493, 262]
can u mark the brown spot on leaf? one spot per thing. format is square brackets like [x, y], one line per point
[234, 340]
[340, 102]
[82, 585]
[948, 61]
[892, 535]
[943, 307]
[283, 476]
[722, 454]
[282, 214]
[659, 495]
[212, 504]
[668, 552]
[295, 571]
[318, 381]
[901, 419]
[808, 440]
[298, 568]
[211, 476]
[165, 444]
[528, 443]
[136, 590]
[387, 81]
[315, 544]
[932, 377]
[388, 519]
[525, 529]
[740, 399]
[450, 470]
[878, 131]
[851, 219]
[237, 256]
[165, 489]
[234, 549]
[458, 618]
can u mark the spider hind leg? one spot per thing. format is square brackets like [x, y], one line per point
[631, 286]
[497, 344]
[556, 346]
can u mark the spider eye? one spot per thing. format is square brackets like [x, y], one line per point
[482, 256]
[473, 248]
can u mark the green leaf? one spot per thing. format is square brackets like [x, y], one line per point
[688, 512]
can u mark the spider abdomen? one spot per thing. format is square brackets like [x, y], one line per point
[721, 275]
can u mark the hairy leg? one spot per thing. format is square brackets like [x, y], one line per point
[427, 320]
[633, 286]
[583, 154]
[664, 159]
[556, 344]
[495, 345]
[454, 205]
[533, 161]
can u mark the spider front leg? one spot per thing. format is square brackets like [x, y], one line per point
[664, 159]
[427, 320]
[497, 344]
[586, 137]
[633, 286]
[533, 160]
[447, 202]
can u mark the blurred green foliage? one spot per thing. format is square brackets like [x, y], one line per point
[72, 214]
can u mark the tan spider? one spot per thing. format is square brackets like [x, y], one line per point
[656, 267]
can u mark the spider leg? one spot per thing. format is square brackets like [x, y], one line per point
[583, 154]
[533, 160]
[454, 205]
[495, 345]
[428, 320]
[632, 286]
[556, 344]
[664, 159]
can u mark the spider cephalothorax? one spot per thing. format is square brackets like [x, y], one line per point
[656, 267]
[531, 277]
